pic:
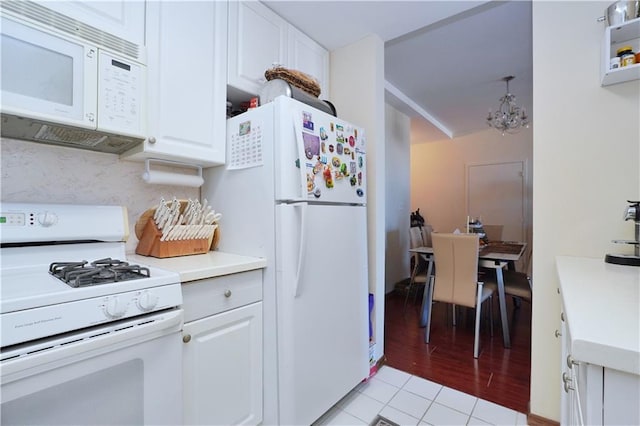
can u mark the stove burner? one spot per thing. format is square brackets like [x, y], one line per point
[102, 271]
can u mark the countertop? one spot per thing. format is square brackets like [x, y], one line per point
[602, 309]
[201, 266]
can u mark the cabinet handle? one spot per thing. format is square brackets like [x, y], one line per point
[186, 338]
[570, 361]
[227, 293]
[557, 333]
[567, 380]
[152, 139]
[562, 316]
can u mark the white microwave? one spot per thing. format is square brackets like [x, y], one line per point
[64, 90]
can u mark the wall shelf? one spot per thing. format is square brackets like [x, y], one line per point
[616, 36]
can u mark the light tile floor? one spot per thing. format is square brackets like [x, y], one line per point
[411, 400]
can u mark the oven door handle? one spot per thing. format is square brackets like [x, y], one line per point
[28, 359]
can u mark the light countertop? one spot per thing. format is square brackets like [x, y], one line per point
[201, 266]
[602, 309]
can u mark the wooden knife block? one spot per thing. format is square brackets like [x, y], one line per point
[150, 244]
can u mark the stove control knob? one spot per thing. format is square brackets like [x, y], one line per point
[147, 301]
[47, 219]
[114, 308]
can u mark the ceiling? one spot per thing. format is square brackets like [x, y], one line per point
[444, 60]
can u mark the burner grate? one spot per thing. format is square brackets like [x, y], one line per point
[102, 271]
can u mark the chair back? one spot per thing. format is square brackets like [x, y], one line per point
[493, 232]
[415, 237]
[456, 261]
[426, 235]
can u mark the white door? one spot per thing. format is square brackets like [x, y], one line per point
[223, 368]
[321, 262]
[309, 57]
[122, 18]
[257, 41]
[495, 192]
[186, 81]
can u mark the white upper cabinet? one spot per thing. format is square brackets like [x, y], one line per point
[186, 90]
[259, 39]
[309, 57]
[122, 18]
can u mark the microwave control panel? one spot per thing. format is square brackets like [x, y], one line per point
[120, 85]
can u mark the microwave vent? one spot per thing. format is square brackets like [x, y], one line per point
[70, 26]
[24, 128]
[68, 135]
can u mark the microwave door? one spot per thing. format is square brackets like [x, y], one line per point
[47, 77]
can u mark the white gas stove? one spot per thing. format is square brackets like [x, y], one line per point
[64, 268]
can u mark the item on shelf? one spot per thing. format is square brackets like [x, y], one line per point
[614, 63]
[250, 104]
[622, 11]
[296, 78]
[626, 55]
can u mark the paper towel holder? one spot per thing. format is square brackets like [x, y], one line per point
[172, 178]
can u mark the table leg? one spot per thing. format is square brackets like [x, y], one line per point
[429, 291]
[424, 309]
[503, 308]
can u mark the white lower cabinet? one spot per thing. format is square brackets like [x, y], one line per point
[222, 355]
[596, 395]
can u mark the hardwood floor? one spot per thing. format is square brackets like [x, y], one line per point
[499, 375]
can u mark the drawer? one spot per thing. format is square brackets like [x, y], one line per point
[203, 298]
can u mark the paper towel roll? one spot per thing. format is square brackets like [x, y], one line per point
[168, 178]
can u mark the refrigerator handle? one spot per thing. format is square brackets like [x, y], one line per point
[302, 250]
[297, 127]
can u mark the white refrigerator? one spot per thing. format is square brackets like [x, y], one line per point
[293, 190]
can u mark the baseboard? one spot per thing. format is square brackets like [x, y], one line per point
[533, 420]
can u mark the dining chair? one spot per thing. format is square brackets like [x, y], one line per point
[493, 232]
[456, 279]
[418, 272]
[518, 283]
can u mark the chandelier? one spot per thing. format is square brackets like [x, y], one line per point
[509, 118]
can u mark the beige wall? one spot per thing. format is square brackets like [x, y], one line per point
[397, 201]
[438, 173]
[357, 91]
[585, 165]
[34, 172]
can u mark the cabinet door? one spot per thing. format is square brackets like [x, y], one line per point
[186, 88]
[257, 41]
[309, 57]
[223, 368]
[122, 18]
[621, 397]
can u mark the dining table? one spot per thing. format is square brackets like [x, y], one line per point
[496, 255]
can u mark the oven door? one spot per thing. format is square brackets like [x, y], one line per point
[126, 373]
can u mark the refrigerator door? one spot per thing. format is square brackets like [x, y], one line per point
[318, 157]
[322, 300]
